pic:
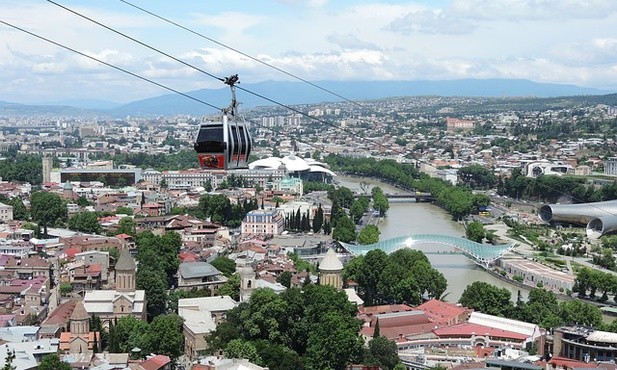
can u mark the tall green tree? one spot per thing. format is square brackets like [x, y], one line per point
[164, 336]
[127, 333]
[487, 298]
[475, 231]
[86, 222]
[383, 353]
[126, 225]
[318, 219]
[48, 209]
[239, 348]
[369, 235]
[155, 286]
[345, 230]
[225, 265]
[53, 362]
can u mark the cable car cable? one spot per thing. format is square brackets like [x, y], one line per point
[137, 76]
[212, 75]
[135, 40]
[109, 64]
[164, 19]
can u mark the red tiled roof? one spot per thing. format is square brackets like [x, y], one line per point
[441, 311]
[155, 363]
[188, 257]
[466, 329]
[61, 315]
[569, 363]
[71, 252]
[394, 332]
[387, 308]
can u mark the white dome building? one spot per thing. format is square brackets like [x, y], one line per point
[331, 270]
[304, 168]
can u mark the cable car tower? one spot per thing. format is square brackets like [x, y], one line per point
[224, 144]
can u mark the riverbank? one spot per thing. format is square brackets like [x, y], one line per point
[425, 218]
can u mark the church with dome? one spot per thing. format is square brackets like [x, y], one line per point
[125, 300]
[331, 270]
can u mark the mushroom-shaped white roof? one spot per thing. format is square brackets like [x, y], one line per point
[321, 169]
[269, 163]
[330, 262]
[295, 164]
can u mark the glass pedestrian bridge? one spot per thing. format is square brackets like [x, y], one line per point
[482, 254]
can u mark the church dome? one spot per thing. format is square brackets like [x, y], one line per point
[125, 261]
[79, 312]
[330, 262]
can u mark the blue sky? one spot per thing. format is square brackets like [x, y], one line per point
[554, 41]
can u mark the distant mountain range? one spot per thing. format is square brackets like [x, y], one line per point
[294, 93]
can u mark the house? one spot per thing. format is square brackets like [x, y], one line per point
[6, 213]
[199, 275]
[201, 315]
[95, 257]
[158, 362]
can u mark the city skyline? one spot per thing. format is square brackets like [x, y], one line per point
[563, 42]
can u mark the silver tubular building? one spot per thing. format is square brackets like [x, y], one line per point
[599, 217]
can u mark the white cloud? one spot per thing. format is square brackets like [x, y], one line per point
[559, 41]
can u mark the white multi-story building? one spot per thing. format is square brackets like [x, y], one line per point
[6, 213]
[263, 222]
[195, 178]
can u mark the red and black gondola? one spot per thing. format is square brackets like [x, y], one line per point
[224, 144]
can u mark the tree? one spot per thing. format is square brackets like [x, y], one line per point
[376, 331]
[86, 222]
[382, 352]
[477, 177]
[208, 186]
[53, 362]
[164, 336]
[126, 225]
[285, 279]
[20, 212]
[225, 265]
[333, 343]
[578, 312]
[380, 201]
[155, 285]
[487, 298]
[124, 211]
[239, 348]
[317, 219]
[541, 308]
[127, 333]
[357, 210]
[369, 235]
[65, 288]
[475, 231]
[345, 230]
[231, 287]
[47, 209]
[277, 356]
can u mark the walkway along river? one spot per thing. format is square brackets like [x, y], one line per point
[425, 218]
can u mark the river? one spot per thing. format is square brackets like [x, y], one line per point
[425, 218]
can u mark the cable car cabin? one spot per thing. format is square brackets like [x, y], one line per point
[223, 145]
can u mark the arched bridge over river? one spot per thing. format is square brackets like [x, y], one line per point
[482, 254]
